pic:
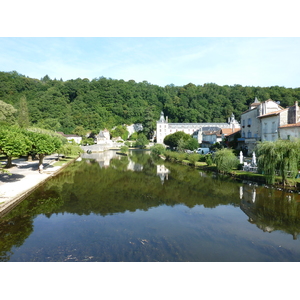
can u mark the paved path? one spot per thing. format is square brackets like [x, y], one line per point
[25, 177]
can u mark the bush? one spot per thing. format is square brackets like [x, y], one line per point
[193, 158]
[208, 159]
[157, 149]
[124, 149]
[225, 160]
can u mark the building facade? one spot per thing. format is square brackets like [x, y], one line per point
[163, 128]
[268, 121]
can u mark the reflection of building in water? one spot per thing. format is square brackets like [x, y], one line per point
[134, 166]
[104, 158]
[271, 210]
[162, 172]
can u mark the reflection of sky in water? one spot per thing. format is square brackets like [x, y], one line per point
[163, 233]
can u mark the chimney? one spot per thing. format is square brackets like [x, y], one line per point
[167, 119]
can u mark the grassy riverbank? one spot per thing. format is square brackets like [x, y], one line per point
[292, 183]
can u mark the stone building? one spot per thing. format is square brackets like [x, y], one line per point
[164, 128]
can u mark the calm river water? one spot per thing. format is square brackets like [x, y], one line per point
[112, 208]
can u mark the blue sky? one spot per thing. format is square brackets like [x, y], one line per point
[158, 60]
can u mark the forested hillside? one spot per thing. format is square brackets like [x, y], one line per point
[104, 102]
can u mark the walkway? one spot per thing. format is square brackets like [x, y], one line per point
[25, 177]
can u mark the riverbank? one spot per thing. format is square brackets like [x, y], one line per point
[292, 186]
[25, 178]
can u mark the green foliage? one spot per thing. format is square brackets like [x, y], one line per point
[157, 149]
[191, 144]
[176, 139]
[44, 144]
[193, 158]
[225, 160]
[141, 141]
[13, 142]
[80, 131]
[106, 103]
[23, 114]
[281, 156]
[70, 149]
[7, 113]
[208, 159]
[124, 149]
[87, 141]
[134, 136]
[216, 146]
[120, 131]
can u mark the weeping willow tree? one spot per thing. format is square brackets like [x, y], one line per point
[281, 156]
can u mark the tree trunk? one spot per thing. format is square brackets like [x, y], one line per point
[41, 158]
[9, 162]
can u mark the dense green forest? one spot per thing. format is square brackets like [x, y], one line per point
[104, 102]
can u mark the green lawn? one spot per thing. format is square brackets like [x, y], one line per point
[64, 160]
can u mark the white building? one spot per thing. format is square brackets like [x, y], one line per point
[163, 128]
[76, 138]
[268, 121]
[251, 125]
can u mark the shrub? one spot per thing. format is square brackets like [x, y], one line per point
[208, 159]
[225, 160]
[193, 158]
[157, 149]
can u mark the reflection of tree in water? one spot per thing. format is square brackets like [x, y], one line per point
[272, 210]
[84, 188]
[16, 226]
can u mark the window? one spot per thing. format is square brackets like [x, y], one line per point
[249, 134]
[249, 121]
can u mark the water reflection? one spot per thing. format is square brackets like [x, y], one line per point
[270, 209]
[116, 187]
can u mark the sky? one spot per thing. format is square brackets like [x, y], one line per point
[249, 61]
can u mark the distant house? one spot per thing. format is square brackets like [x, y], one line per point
[76, 138]
[211, 137]
[103, 137]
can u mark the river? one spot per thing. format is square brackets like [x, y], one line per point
[110, 208]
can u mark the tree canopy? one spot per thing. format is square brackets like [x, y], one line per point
[107, 103]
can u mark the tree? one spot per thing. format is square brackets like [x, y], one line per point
[120, 131]
[149, 123]
[157, 149]
[13, 143]
[7, 113]
[23, 115]
[44, 144]
[281, 156]
[79, 130]
[141, 141]
[191, 144]
[225, 160]
[70, 149]
[173, 139]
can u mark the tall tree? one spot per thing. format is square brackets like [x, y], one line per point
[23, 115]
